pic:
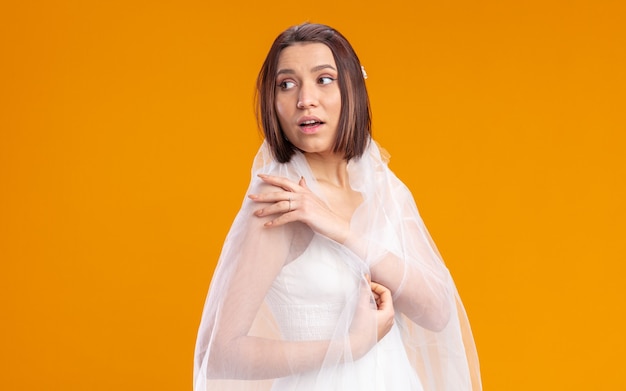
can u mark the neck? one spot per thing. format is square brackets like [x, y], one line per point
[331, 169]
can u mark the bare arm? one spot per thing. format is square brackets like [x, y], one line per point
[420, 293]
[414, 272]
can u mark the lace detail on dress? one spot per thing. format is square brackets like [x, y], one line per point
[305, 322]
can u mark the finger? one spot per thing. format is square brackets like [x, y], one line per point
[271, 196]
[384, 296]
[281, 206]
[383, 292]
[302, 182]
[279, 181]
[283, 219]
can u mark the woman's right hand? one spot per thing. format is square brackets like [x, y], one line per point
[373, 318]
[290, 201]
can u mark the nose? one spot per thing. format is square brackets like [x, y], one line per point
[307, 97]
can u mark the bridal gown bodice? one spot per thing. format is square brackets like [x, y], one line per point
[309, 299]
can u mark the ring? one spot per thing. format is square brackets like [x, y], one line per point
[289, 204]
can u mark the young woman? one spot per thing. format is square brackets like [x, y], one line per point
[328, 279]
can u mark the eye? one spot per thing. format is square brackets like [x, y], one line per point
[286, 84]
[325, 80]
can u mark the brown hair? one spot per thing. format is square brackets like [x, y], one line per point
[354, 128]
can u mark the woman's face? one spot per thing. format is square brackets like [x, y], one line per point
[308, 101]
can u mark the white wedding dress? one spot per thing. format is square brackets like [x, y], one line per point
[307, 300]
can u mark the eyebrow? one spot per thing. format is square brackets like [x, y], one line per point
[314, 69]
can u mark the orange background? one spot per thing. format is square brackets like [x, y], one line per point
[127, 133]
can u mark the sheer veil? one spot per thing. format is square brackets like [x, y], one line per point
[256, 334]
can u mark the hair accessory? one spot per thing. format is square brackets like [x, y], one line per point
[364, 73]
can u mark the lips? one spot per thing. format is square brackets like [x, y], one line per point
[309, 124]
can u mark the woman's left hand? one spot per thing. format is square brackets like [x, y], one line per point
[295, 202]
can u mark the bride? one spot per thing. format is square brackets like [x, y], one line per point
[328, 279]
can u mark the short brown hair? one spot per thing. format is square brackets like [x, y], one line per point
[354, 128]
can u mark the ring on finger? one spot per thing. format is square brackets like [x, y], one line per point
[289, 204]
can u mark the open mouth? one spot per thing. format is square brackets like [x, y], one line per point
[310, 123]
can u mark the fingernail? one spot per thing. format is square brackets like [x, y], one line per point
[253, 196]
